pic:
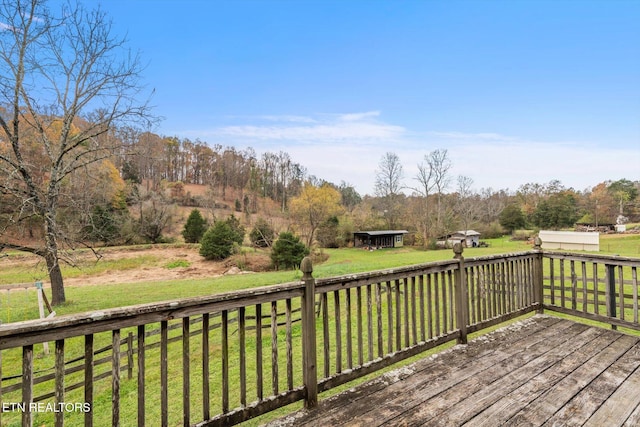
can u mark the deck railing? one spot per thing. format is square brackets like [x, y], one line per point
[223, 359]
[595, 287]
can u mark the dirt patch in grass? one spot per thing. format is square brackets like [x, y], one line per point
[156, 263]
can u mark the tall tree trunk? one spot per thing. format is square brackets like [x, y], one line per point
[55, 276]
[52, 259]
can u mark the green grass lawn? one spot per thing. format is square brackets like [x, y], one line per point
[22, 305]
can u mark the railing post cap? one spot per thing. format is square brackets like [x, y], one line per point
[457, 250]
[537, 243]
[306, 266]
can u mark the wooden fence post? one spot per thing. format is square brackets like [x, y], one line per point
[309, 357]
[538, 275]
[460, 289]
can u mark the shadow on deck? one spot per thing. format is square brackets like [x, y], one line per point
[542, 371]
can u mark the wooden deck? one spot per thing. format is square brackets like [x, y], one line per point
[542, 371]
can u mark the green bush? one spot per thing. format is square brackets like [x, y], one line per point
[195, 227]
[218, 241]
[236, 228]
[288, 251]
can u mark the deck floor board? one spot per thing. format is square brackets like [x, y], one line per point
[540, 371]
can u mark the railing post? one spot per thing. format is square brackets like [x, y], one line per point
[538, 275]
[309, 357]
[460, 289]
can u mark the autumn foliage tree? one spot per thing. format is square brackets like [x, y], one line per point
[66, 82]
[314, 206]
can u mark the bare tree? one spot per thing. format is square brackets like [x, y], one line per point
[467, 206]
[389, 175]
[65, 81]
[432, 175]
[388, 186]
[439, 164]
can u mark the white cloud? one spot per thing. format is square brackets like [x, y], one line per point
[326, 129]
[288, 118]
[352, 117]
[5, 27]
[462, 136]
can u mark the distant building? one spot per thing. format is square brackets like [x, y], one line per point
[570, 240]
[468, 238]
[379, 239]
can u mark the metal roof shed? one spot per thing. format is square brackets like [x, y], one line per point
[379, 239]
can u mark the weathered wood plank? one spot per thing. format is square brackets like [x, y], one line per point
[456, 405]
[620, 405]
[542, 395]
[390, 391]
[589, 399]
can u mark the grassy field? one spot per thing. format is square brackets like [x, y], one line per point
[22, 304]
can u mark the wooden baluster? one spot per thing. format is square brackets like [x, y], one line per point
[289, 344]
[115, 378]
[224, 342]
[259, 368]
[59, 393]
[274, 348]
[379, 318]
[206, 373]
[164, 372]
[348, 331]
[27, 384]
[141, 375]
[186, 372]
[88, 379]
[338, 322]
[242, 327]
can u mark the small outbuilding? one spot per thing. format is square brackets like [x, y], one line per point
[468, 238]
[379, 239]
[570, 240]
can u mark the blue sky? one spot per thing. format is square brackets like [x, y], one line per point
[516, 91]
